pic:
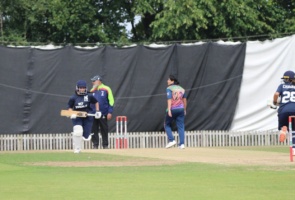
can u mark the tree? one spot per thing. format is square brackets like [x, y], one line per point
[87, 21]
[288, 20]
[102, 21]
[64, 21]
[208, 19]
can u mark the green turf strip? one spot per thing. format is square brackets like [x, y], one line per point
[20, 180]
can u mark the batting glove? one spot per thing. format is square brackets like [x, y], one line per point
[273, 106]
[73, 116]
[97, 115]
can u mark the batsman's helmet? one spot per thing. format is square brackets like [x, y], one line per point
[288, 76]
[81, 84]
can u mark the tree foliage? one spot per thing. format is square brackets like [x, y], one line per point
[208, 19]
[102, 21]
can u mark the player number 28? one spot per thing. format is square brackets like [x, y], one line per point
[288, 96]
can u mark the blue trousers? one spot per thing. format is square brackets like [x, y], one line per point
[178, 117]
[86, 123]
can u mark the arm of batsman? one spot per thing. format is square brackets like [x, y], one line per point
[97, 115]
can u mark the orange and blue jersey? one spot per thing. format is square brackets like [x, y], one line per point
[176, 93]
[105, 98]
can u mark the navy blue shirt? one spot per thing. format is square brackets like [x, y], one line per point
[287, 94]
[105, 98]
[82, 102]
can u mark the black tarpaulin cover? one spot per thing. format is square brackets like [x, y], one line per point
[36, 84]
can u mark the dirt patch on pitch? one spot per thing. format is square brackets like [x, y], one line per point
[105, 163]
[210, 155]
[156, 157]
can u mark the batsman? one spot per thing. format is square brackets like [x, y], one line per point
[286, 93]
[81, 101]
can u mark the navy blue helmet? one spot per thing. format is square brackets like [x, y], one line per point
[288, 76]
[81, 84]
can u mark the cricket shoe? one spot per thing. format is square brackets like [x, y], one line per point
[181, 146]
[89, 137]
[283, 133]
[170, 144]
[77, 151]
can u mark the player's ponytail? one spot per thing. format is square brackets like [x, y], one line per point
[173, 78]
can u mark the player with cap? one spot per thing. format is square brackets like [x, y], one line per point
[105, 98]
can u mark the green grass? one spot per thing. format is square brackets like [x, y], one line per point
[19, 180]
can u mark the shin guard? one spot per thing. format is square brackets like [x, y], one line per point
[77, 138]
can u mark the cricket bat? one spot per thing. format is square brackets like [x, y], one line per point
[69, 113]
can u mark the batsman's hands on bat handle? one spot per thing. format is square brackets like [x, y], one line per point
[73, 116]
[97, 115]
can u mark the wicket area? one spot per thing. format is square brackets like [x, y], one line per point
[121, 132]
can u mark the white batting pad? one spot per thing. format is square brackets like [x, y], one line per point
[77, 138]
[78, 130]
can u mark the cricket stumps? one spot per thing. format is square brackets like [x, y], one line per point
[121, 132]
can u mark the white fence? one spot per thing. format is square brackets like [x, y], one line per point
[63, 141]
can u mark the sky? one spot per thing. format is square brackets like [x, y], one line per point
[128, 25]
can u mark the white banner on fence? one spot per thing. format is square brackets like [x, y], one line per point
[265, 64]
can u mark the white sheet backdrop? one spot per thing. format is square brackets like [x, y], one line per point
[265, 64]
